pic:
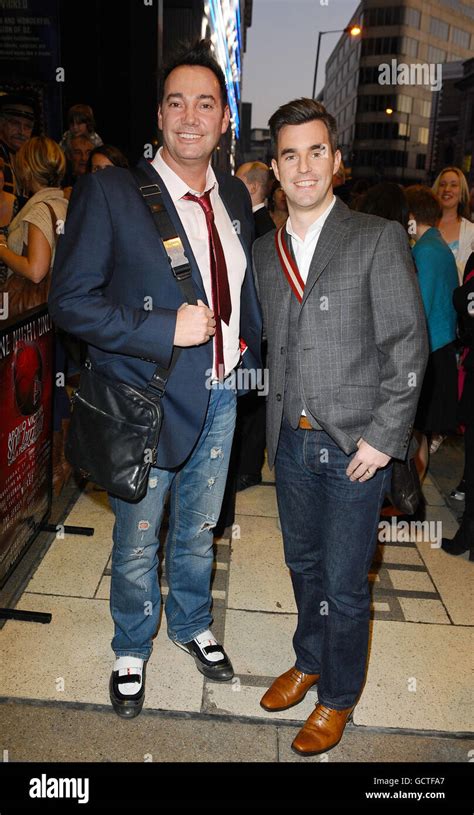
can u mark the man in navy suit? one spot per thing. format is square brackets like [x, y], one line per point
[113, 287]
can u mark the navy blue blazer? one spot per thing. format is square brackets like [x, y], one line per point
[108, 261]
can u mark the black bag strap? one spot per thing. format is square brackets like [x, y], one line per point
[178, 261]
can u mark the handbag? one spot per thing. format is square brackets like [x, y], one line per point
[23, 294]
[405, 489]
[114, 431]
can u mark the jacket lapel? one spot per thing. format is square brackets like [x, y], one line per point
[330, 238]
[155, 178]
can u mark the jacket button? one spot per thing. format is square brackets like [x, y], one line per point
[278, 397]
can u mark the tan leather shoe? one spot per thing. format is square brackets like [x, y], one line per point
[321, 731]
[289, 689]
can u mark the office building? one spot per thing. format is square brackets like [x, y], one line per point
[395, 65]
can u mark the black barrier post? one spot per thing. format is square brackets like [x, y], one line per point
[72, 530]
[29, 616]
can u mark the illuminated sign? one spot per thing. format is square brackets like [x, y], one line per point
[223, 19]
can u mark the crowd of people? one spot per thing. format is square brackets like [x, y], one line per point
[360, 289]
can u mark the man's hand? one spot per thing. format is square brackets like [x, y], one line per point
[195, 325]
[366, 462]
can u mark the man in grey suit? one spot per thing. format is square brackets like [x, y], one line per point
[347, 349]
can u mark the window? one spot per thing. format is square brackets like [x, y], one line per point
[404, 103]
[380, 158]
[436, 54]
[377, 130]
[376, 104]
[421, 161]
[412, 17]
[439, 28]
[460, 37]
[380, 45]
[410, 46]
[369, 75]
[422, 107]
[423, 135]
[393, 15]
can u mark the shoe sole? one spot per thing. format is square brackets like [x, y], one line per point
[287, 707]
[202, 668]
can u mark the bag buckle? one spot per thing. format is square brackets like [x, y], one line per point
[155, 190]
[158, 384]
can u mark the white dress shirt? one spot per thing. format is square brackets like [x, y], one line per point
[304, 249]
[193, 219]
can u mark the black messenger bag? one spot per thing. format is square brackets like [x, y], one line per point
[114, 431]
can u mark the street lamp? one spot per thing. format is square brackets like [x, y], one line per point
[353, 30]
[389, 112]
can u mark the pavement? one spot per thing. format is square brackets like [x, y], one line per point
[416, 705]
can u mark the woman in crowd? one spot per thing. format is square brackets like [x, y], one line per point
[40, 165]
[463, 299]
[8, 210]
[457, 230]
[29, 251]
[277, 205]
[105, 156]
[437, 277]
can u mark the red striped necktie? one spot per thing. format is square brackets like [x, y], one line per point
[219, 281]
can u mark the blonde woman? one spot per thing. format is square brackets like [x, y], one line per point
[29, 251]
[457, 230]
[39, 167]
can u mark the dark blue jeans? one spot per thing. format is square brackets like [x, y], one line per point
[329, 526]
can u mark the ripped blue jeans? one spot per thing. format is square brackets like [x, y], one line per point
[197, 489]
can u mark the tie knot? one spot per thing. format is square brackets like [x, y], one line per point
[203, 200]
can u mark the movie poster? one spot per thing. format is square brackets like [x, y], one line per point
[26, 404]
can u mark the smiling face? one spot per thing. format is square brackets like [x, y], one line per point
[305, 166]
[191, 116]
[449, 190]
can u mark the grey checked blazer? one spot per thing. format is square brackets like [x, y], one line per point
[362, 339]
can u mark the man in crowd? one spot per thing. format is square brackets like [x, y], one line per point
[256, 177]
[347, 350]
[78, 151]
[110, 264]
[17, 120]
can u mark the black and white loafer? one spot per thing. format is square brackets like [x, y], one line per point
[219, 670]
[127, 706]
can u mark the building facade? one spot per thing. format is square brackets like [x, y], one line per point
[396, 65]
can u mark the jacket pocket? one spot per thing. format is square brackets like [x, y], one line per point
[358, 397]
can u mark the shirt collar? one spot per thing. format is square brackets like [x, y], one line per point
[175, 184]
[315, 227]
[258, 206]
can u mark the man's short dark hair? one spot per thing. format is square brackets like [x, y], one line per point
[423, 204]
[198, 54]
[298, 112]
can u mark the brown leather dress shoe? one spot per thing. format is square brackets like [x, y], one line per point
[321, 731]
[289, 689]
